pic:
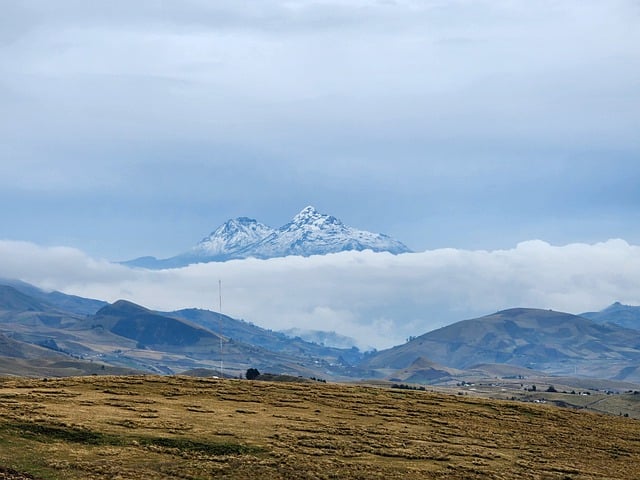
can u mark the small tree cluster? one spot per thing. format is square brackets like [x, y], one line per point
[404, 386]
[252, 373]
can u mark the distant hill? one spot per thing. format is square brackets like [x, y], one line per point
[68, 303]
[549, 341]
[148, 328]
[624, 315]
[279, 342]
[130, 336]
[28, 313]
[25, 359]
[12, 348]
[308, 233]
[12, 299]
[423, 370]
[37, 333]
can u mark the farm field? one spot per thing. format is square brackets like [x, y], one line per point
[161, 427]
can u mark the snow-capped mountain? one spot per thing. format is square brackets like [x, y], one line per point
[231, 237]
[313, 233]
[309, 233]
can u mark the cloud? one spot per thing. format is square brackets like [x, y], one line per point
[423, 72]
[378, 298]
[162, 118]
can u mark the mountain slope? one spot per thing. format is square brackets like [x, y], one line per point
[146, 327]
[29, 347]
[627, 316]
[224, 243]
[14, 300]
[232, 237]
[309, 233]
[62, 301]
[278, 342]
[423, 370]
[553, 342]
[313, 233]
[191, 339]
[12, 348]
[129, 336]
[27, 313]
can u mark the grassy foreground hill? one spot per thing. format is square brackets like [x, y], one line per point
[151, 427]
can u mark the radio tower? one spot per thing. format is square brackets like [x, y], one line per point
[220, 318]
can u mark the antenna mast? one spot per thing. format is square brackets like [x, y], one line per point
[220, 319]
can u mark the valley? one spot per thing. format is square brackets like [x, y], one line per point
[53, 334]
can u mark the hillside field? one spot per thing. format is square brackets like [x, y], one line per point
[161, 427]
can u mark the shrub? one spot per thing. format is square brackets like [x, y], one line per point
[252, 373]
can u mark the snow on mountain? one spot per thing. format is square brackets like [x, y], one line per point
[232, 236]
[313, 233]
[309, 233]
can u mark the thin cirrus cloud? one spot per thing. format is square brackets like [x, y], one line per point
[377, 298]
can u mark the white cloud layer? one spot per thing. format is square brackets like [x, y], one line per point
[380, 299]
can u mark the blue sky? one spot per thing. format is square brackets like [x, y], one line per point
[136, 128]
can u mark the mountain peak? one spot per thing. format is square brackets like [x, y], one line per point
[233, 235]
[309, 210]
[314, 233]
[309, 216]
[308, 233]
[122, 307]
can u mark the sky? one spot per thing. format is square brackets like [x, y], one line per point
[464, 129]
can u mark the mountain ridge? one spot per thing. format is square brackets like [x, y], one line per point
[624, 315]
[557, 343]
[308, 233]
[518, 342]
[126, 335]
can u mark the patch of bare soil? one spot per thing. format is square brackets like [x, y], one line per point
[11, 474]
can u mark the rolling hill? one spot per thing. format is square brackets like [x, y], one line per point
[124, 335]
[627, 316]
[129, 336]
[552, 342]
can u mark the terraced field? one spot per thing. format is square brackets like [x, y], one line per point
[151, 427]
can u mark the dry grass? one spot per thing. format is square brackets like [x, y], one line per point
[190, 428]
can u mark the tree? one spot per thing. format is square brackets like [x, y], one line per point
[252, 373]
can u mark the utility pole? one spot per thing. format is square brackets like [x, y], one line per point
[220, 319]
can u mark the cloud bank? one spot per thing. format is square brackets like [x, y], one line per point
[377, 298]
